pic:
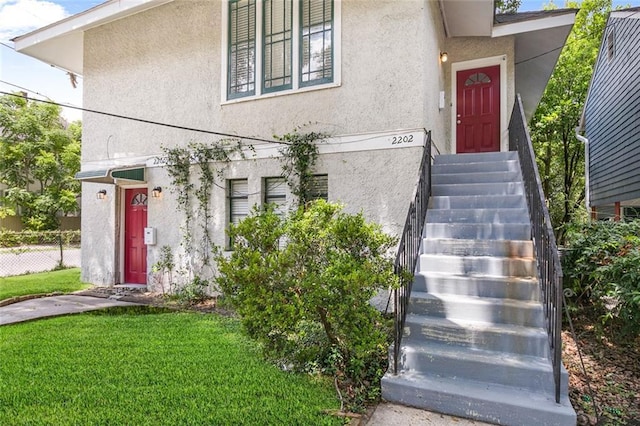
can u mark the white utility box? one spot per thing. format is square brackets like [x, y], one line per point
[150, 236]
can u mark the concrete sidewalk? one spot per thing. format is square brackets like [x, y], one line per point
[53, 306]
[387, 414]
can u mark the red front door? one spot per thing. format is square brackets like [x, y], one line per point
[135, 251]
[478, 110]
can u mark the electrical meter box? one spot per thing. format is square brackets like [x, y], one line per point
[150, 236]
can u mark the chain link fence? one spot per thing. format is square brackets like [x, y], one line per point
[31, 251]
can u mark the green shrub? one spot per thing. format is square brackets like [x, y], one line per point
[303, 285]
[602, 269]
[19, 238]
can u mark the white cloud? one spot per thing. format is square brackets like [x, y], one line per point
[18, 17]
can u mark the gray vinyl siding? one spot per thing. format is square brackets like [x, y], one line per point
[612, 116]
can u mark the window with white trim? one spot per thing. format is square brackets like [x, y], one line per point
[611, 45]
[319, 188]
[238, 200]
[278, 45]
[275, 192]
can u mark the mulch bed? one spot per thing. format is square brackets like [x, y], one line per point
[613, 374]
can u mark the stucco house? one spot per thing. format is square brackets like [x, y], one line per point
[394, 84]
[610, 121]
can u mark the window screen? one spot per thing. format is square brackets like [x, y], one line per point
[316, 42]
[319, 188]
[276, 193]
[242, 48]
[278, 16]
[238, 200]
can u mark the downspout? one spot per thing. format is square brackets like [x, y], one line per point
[585, 141]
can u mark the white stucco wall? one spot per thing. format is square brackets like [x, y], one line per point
[164, 65]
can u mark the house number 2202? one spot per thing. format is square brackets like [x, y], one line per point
[396, 140]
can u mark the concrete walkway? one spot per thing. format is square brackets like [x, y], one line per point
[53, 306]
[385, 414]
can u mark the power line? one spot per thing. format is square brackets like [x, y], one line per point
[24, 88]
[142, 120]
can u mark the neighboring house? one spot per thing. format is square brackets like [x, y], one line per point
[377, 76]
[611, 120]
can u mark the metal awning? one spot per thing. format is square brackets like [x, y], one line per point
[112, 174]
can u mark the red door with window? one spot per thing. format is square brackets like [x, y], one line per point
[135, 251]
[478, 110]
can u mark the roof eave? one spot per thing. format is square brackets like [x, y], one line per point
[61, 43]
[538, 44]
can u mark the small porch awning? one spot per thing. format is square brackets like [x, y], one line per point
[113, 174]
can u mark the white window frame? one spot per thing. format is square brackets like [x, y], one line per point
[295, 84]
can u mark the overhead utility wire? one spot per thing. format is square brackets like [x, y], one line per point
[156, 123]
[24, 88]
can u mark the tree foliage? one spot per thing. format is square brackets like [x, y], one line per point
[507, 6]
[560, 155]
[303, 285]
[38, 160]
[601, 272]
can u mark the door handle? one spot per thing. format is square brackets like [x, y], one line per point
[458, 121]
[459, 115]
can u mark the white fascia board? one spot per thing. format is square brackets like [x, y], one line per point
[625, 14]
[501, 30]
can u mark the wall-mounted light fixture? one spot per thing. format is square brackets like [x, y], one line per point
[102, 194]
[155, 193]
[444, 56]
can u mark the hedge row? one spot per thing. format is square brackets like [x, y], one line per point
[21, 238]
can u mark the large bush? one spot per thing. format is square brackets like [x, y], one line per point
[303, 285]
[602, 270]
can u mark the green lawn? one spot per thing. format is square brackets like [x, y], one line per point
[149, 367]
[64, 281]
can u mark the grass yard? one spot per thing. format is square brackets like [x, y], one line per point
[64, 281]
[146, 366]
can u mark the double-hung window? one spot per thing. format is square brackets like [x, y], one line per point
[276, 193]
[279, 45]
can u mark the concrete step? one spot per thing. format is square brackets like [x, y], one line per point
[521, 371]
[473, 177]
[472, 308]
[477, 400]
[482, 157]
[478, 265]
[500, 287]
[478, 167]
[458, 247]
[477, 201]
[496, 188]
[492, 215]
[478, 335]
[479, 231]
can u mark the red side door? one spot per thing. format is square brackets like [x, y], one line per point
[478, 110]
[135, 251]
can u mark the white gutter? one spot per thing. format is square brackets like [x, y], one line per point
[585, 141]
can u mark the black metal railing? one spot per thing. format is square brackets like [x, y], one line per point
[409, 247]
[544, 241]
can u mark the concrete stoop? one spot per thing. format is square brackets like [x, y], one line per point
[491, 403]
[475, 343]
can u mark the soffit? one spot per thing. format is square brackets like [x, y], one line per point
[62, 43]
[539, 39]
[467, 18]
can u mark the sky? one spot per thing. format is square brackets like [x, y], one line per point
[19, 17]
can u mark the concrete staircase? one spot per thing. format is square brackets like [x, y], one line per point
[475, 343]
